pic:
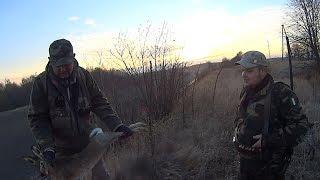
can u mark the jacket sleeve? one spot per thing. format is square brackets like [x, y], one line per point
[38, 116]
[100, 105]
[296, 123]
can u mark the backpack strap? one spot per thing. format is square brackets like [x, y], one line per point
[83, 82]
[266, 116]
[44, 83]
[243, 92]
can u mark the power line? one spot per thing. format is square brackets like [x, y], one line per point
[282, 42]
[206, 57]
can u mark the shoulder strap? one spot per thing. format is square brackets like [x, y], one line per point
[266, 115]
[43, 80]
[267, 112]
[243, 92]
[83, 82]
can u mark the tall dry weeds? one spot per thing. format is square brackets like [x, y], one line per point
[203, 148]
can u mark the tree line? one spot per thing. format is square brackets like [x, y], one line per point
[13, 95]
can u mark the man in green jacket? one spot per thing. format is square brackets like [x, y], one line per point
[62, 101]
[269, 122]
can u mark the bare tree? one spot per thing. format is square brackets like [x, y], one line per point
[305, 25]
[299, 52]
[152, 62]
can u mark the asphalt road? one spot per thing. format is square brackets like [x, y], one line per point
[16, 140]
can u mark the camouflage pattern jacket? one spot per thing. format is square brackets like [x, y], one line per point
[62, 116]
[287, 123]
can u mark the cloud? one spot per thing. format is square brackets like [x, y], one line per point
[91, 41]
[90, 22]
[219, 32]
[73, 18]
[215, 33]
[90, 47]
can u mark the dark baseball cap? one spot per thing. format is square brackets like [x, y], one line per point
[61, 52]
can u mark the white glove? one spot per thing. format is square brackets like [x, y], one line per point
[95, 132]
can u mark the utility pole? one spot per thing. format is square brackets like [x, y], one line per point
[268, 48]
[282, 27]
[289, 57]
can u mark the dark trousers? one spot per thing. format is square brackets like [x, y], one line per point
[252, 169]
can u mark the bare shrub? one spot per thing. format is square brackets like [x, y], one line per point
[154, 65]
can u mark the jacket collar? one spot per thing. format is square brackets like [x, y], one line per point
[62, 82]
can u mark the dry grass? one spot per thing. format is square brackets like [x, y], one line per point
[203, 149]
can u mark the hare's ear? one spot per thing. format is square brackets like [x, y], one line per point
[31, 159]
[138, 127]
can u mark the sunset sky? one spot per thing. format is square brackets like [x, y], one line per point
[206, 29]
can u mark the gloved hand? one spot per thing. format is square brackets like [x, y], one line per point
[102, 138]
[95, 132]
[127, 132]
[49, 156]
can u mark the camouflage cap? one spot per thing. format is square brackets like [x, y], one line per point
[252, 59]
[61, 52]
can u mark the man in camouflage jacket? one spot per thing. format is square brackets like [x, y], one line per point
[266, 129]
[62, 101]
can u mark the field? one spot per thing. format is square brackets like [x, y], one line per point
[193, 142]
[202, 149]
